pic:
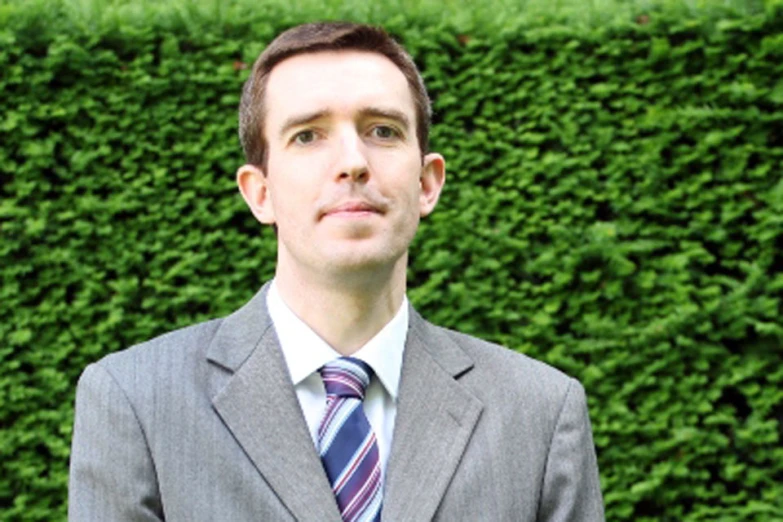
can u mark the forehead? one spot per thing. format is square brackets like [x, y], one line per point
[341, 82]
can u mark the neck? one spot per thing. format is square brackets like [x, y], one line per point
[345, 311]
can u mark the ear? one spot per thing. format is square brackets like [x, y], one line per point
[253, 185]
[433, 176]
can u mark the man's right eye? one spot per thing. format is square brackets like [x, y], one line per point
[304, 137]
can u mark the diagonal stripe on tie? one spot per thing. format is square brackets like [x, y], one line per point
[349, 450]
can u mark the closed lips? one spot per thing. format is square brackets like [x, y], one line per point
[352, 207]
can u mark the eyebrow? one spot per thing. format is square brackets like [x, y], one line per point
[368, 112]
[388, 114]
[301, 119]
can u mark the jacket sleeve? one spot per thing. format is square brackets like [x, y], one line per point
[112, 475]
[571, 490]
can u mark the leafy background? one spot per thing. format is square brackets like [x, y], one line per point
[614, 208]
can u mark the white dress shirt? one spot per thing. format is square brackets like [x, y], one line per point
[305, 352]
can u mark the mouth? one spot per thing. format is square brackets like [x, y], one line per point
[352, 209]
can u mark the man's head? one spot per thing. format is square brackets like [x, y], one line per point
[335, 154]
[311, 38]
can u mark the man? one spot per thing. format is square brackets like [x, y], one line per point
[327, 397]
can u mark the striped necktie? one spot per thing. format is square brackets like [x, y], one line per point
[349, 451]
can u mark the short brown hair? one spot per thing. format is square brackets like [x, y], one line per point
[316, 37]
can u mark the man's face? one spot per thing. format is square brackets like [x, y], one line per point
[346, 183]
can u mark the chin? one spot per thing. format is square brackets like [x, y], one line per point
[358, 259]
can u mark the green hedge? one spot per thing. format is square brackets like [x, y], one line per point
[614, 207]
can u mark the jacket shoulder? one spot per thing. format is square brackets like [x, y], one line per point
[500, 375]
[169, 353]
[494, 357]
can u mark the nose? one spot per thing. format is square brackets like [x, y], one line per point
[351, 162]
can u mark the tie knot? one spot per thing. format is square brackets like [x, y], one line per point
[346, 377]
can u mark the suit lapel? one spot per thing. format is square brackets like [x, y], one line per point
[435, 419]
[260, 408]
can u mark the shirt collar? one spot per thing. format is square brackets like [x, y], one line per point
[305, 352]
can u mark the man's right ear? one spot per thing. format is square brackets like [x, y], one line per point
[253, 185]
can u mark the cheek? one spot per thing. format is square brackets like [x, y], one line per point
[292, 184]
[282, 204]
[410, 202]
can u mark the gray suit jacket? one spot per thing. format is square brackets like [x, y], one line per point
[203, 424]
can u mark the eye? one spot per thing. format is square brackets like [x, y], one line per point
[384, 132]
[304, 137]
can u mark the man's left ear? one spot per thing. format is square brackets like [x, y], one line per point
[433, 176]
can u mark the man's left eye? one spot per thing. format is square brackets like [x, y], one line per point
[384, 132]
